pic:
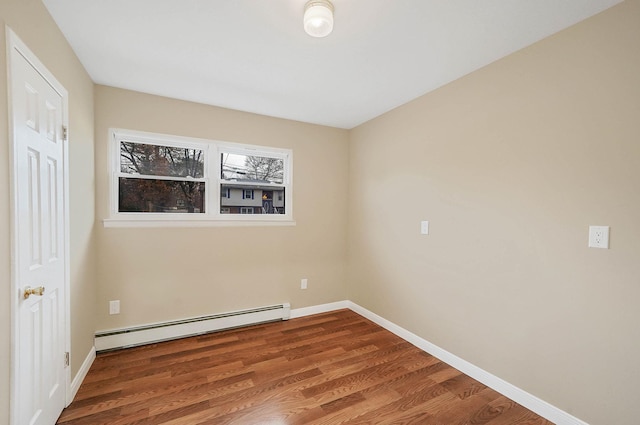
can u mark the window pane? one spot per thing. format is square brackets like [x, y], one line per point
[254, 169]
[160, 196]
[265, 199]
[157, 160]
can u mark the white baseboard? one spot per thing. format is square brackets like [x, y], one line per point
[317, 309]
[531, 402]
[82, 373]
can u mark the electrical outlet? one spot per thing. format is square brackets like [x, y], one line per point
[303, 284]
[114, 307]
[599, 237]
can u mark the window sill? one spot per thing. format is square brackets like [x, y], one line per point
[146, 222]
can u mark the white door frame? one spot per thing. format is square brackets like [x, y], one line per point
[15, 45]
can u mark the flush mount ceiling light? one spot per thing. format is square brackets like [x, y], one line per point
[318, 18]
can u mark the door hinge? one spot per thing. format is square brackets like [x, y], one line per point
[65, 133]
[66, 358]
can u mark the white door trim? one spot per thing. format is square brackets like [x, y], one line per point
[15, 45]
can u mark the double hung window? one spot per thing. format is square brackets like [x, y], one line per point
[161, 178]
[254, 181]
[176, 179]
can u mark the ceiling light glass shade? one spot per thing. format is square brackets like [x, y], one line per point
[318, 18]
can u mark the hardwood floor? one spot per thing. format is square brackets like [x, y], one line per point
[332, 368]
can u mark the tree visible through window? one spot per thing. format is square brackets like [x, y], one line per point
[163, 179]
[267, 169]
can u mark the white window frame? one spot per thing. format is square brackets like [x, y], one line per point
[213, 215]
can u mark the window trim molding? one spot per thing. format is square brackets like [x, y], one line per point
[249, 222]
[212, 217]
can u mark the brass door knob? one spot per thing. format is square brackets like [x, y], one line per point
[28, 291]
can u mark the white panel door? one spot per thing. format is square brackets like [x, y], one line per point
[38, 245]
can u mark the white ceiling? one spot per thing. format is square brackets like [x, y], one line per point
[253, 55]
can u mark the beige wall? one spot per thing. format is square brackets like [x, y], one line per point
[32, 23]
[168, 273]
[510, 165]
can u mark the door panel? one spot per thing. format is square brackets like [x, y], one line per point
[38, 155]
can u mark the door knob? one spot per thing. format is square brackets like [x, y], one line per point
[28, 291]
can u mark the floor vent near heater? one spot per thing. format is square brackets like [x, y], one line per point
[140, 335]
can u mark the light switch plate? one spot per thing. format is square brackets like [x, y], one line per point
[599, 237]
[424, 227]
[114, 307]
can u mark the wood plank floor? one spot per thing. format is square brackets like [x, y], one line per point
[332, 368]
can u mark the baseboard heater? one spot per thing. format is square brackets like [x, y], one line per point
[156, 332]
